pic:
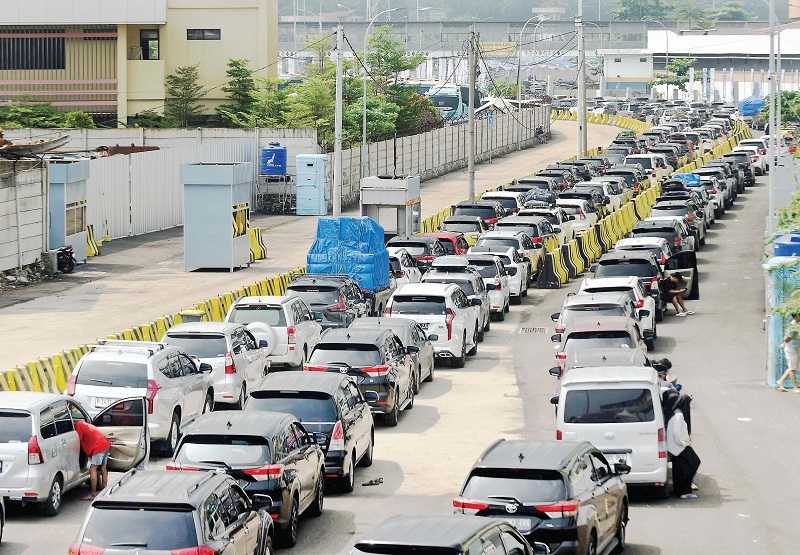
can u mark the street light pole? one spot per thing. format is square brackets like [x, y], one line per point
[582, 137]
[519, 75]
[666, 46]
[364, 107]
[773, 113]
[337, 145]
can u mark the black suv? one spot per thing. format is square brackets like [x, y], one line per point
[563, 494]
[268, 453]
[335, 301]
[153, 511]
[377, 361]
[332, 408]
[488, 210]
[424, 249]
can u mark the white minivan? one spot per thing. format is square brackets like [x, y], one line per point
[618, 410]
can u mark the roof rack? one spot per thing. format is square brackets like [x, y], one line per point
[194, 487]
[123, 479]
[126, 345]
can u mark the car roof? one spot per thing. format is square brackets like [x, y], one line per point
[488, 257]
[374, 336]
[502, 233]
[610, 374]
[264, 299]
[561, 201]
[159, 487]
[378, 322]
[450, 531]
[474, 203]
[501, 194]
[27, 400]
[601, 357]
[261, 423]
[642, 241]
[205, 327]
[299, 380]
[413, 239]
[628, 255]
[439, 289]
[315, 279]
[603, 297]
[450, 260]
[463, 218]
[485, 249]
[531, 455]
[524, 219]
[603, 323]
[656, 222]
[610, 281]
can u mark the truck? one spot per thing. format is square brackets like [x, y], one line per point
[354, 247]
[448, 101]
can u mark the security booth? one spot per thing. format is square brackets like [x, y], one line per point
[67, 205]
[216, 215]
[393, 202]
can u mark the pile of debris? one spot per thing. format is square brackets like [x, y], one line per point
[22, 277]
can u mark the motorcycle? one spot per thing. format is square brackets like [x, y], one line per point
[65, 260]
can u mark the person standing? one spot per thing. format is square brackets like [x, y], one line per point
[685, 461]
[791, 352]
[97, 447]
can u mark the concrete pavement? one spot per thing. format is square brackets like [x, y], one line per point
[142, 278]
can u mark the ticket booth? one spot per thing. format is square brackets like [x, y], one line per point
[393, 202]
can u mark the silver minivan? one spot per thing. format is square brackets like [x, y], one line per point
[40, 453]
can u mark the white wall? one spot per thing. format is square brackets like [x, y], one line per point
[630, 66]
[82, 12]
[22, 209]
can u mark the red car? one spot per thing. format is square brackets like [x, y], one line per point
[452, 242]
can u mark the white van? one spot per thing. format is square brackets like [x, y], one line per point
[618, 410]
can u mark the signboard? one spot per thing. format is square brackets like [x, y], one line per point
[499, 49]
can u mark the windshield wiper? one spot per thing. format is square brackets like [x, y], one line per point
[216, 463]
[107, 382]
[129, 544]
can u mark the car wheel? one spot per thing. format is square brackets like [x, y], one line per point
[650, 343]
[703, 240]
[411, 397]
[474, 350]
[393, 417]
[208, 404]
[501, 316]
[517, 299]
[268, 548]
[591, 549]
[660, 313]
[52, 505]
[479, 333]
[242, 396]
[430, 376]
[508, 306]
[621, 525]
[289, 533]
[174, 434]
[319, 496]
[488, 325]
[348, 482]
[366, 459]
[417, 378]
[458, 362]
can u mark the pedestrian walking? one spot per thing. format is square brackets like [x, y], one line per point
[685, 461]
[97, 447]
[791, 352]
[672, 291]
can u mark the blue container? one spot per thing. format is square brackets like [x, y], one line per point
[273, 159]
[787, 245]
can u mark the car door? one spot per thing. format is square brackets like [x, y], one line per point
[466, 315]
[685, 264]
[350, 416]
[236, 515]
[50, 443]
[613, 493]
[241, 357]
[194, 383]
[310, 329]
[399, 364]
[410, 267]
[124, 423]
[306, 463]
[361, 418]
[68, 443]
[258, 366]
[425, 355]
[589, 495]
[513, 543]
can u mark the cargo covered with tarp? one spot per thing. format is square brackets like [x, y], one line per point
[751, 106]
[352, 247]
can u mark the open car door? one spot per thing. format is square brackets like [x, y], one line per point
[685, 263]
[124, 423]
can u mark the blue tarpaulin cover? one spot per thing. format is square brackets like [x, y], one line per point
[689, 179]
[751, 106]
[350, 246]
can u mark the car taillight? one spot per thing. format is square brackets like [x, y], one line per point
[81, 549]
[199, 550]
[152, 391]
[762, 151]
[690, 216]
[662, 444]
[498, 286]
[34, 453]
[340, 306]
[582, 214]
[230, 367]
[559, 435]
[313, 368]
[290, 337]
[388, 310]
[560, 509]
[677, 242]
[654, 281]
[425, 258]
[467, 507]
[561, 356]
[266, 472]
[378, 370]
[714, 190]
[449, 321]
[71, 385]
[662, 261]
[175, 467]
[639, 303]
[536, 240]
[560, 328]
[755, 158]
[337, 438]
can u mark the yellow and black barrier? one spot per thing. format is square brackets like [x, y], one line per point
[575, 257]
[258, 249]
[548, 278]
[572, 270]
[92, 245]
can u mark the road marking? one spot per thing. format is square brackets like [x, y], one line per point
[744, 419]
[532, 330]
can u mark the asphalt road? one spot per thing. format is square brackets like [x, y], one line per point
[743, 432]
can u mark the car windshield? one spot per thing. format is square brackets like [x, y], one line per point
[140, 528]
[600, 339]
[446, 101]
[234, 450]
[486, 268]
[541, 185]
[465, 285]
[523, 485]
[316, 295]
[461, 227]
[201, 346]
[264, 314]
[414, 249]
[114, 373]
[498, 242]
[418, 304]
[620, 268]
[645, 162]
[507, 202]
[353, 354]
[306, 406]
[15, 426]
[482, 211]
[571, 210]
[527, 229]
[608, 406]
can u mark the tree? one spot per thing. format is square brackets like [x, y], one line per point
[636, 10]
[677, 73]
[26, 113]
[312, 104]
[240, 88]
[504, 89]
[381, 119]
[78, 120]
[388, 57]
[151, 120]
[183, 95]
[733, 11]
[320, 45]
[268, 108]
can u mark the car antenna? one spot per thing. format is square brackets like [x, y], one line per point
[521, 457]
[229, 425]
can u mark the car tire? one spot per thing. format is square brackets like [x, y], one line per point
[501, 316]
[52, 505]
[650, 343]
[479, 333]
[348, 482]
[703, 241]
[315, 509]
[174, 435]
[391, 419]
[459, 361]
[621, 530]
[417, 379]
[508, 305]
[411, 397]
[591, 547]
[516, 300]
[474, 350]
[488, 325]
[208, 404]
[367, 457]
[430, 376]
[660, 313]
[289, 532]
[242, 396]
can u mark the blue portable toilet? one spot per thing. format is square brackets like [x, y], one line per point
[312, 184]
[273, 159]
[67, 206]
[787, 245]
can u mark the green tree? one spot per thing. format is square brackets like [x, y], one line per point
[505, 89]
[388, 57]
[416, 113]
[381, 120]
[636, 10]
[183, 95]
[311, 104]
[733, 11]
[26, 113]
[240, 88]
[677, 73]
[268, 108]
[320, 45]
[151, 120]
[790, 106]
[78, 120]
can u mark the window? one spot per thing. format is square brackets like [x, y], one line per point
[201, 346]
[187, 365]
[63, 421]
[203, 34]
[601, 468]
[211, 510]
[161, 530]
[112, 373]
[643, 60]
[617, 60]
[149, 44]
[512, 544]
[582, 475]
[47, 424]
[75, 217]
[15, 426]
[40, 52]
[606, 406]
[125, 413]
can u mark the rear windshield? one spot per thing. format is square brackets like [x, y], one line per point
[508, 203]
[646, 163]
[654, 231]
[152, 530]
[418, 304]
[638, 268]
[543, 185]
[498, 242]
[233, 450]
[523, 485]
[482, 211]
[447, 246]
[201, 346]
[461, 227]
[596, 310]
[316, 295]
[112, 373]
[465, 285]
[414, 248]
[571, 210]
[629, 177]
[527, 229]
[486, 268]
[601, 339]
[394, 265]
[264, 314]
[608, 406]
[305, 406]
[353, 354]
[15, 427]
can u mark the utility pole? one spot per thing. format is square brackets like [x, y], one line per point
[772, 151]
[337, 128]
[471, 132]
[582, 139]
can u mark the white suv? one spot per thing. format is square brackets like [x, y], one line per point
[178, 388]
[470, 282]
[284, 322]
[646, 304]
[449, 318]
[518, 280]
[492, 271]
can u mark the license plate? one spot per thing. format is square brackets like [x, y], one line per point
[521, 524]
[102, 402]
[424, 326]
[614, 459]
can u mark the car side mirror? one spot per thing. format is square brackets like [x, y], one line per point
[593, 268]
[491, 287]
[554, 400]
[475, 302]
[263, 343]
[412, 349]
[571, 218]
[555, 316]
[606, 200]
[555, 371]
[262, 501]
[205, 367]
[318, 316]
[644, 313]
[556, 229]
[621, 468]
[555, 338]
[538, 246]
[511, 271]
[433, 337]
[371, 397]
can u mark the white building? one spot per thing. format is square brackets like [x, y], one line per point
[627, 70]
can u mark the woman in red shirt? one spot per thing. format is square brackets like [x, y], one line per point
[97, 448]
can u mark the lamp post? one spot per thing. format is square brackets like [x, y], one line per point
[419, 23]
[364, 115]
[602, 46]
[666, 46]
[519, 73]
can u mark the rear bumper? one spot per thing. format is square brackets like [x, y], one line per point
[648, 477]
[497, 301]
[334, 464]
[227, 391]
[36, 489]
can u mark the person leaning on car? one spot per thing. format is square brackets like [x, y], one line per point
[97, 447]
